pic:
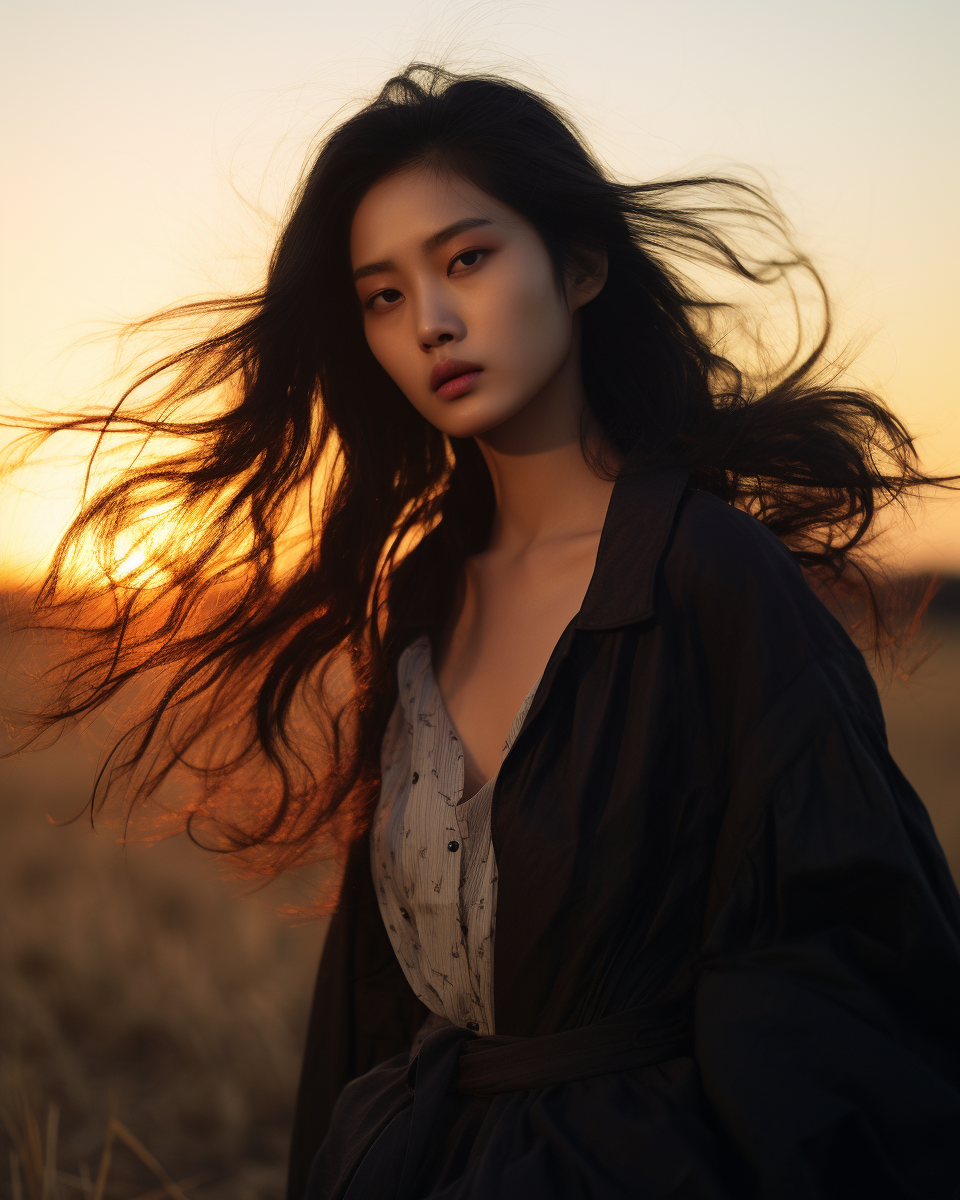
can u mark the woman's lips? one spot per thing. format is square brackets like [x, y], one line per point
[453, 377]
[458, 385]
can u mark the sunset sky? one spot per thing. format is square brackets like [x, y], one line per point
[148, 149]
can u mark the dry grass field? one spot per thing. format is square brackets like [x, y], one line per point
[138, 979]
[141, 979]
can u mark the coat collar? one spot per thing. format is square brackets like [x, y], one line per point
[635, 532]
[633, 539]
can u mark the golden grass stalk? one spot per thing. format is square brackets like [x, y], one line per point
[33, 1164]
[105, 1156]
[173, 1189]
[50, 1153]
[16, 1182]
[28, 1162]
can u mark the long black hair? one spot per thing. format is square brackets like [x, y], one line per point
[274, 654]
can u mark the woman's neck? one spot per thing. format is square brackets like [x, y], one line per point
[544, 486]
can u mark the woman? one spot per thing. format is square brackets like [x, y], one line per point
[636, 902]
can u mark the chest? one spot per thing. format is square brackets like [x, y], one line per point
[511, 616]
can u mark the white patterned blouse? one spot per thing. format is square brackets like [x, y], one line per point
[431, 852]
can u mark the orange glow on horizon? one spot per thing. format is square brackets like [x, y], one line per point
[112, 209]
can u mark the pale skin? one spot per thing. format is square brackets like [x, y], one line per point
[445, 273]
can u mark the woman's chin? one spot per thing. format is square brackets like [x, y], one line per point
[462, 419]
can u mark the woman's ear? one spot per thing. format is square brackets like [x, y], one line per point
[586, 277]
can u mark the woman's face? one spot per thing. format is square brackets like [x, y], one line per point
[460, 300]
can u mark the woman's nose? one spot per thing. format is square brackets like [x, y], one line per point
[438, 325]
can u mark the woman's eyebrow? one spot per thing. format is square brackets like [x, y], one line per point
[451, 231]
[373, 268]
[432, 243]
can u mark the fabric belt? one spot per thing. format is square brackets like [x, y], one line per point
[637, 1037]
[452, 1059]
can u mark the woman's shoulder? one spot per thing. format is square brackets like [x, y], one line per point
[722, 557]
[725, 573]
[748, 632]
[715, 541]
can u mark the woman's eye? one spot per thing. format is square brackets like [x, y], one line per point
[388, 296]
[469, 258]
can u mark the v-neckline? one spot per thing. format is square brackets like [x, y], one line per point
[514, 730]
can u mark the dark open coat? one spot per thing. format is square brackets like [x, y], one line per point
[700, 804]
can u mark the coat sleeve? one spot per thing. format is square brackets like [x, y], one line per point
[828, 1001]
[363, 1012]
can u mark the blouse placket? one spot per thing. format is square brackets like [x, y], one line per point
[432, 854]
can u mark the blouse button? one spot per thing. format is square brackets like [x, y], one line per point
[473, 1026]
[404, 914]
[453, 846]
[416, 776]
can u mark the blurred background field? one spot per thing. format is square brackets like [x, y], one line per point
[142, 976]
[139, 977]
